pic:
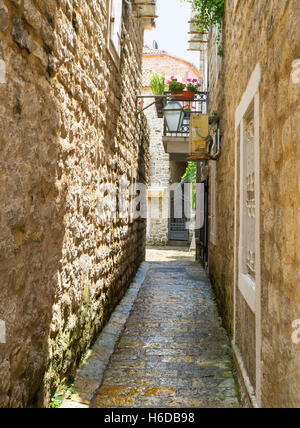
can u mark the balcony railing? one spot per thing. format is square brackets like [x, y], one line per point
[198, 106]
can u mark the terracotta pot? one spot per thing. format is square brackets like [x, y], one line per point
[184, 95]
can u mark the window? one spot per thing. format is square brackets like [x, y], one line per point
[115, 9]
[247, 215]
[247, 122]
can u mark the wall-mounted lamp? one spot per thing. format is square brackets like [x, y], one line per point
[172, 112]
[174, 115]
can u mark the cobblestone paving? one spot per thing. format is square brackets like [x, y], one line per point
[173, 351]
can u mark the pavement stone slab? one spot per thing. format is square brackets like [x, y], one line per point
[164, 346]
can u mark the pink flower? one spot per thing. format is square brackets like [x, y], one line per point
[195, 80]
[169, 82]
[188, 80]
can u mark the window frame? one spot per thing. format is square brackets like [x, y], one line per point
[114, 52]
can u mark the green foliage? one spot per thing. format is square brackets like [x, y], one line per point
[66, 391]
[56, 401]
[175, 86]
[157, 84]
[209, 13]
[190, 175]
[214, 117]
[220, 52]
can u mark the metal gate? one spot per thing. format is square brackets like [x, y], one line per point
[177, 226]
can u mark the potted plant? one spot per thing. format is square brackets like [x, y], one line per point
[177, 89]
[158, 86]
[193, 85]
[184, 91]
[188, 109]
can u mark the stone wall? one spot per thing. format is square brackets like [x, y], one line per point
[265, 33]
[68, 131]
[168, 66]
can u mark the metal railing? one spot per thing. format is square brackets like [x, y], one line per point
[198, 106]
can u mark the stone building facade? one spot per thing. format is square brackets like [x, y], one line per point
[164, 171]
[69, 77]
[254, 197]
[159, 61]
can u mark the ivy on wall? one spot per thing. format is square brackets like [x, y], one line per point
[209, 13]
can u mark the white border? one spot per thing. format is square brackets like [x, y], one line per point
[252, 295]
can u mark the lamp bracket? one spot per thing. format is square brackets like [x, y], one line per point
[155, 97]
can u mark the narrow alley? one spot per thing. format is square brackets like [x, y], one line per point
[173, 351]
[149, 205]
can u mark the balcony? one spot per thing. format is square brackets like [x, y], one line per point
[177, 143]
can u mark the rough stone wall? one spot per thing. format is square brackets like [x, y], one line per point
[67, 131]
[264, 32]
[177, 171]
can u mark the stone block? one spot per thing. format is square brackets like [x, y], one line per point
[20, 35]
[32, 15]
[3, 17]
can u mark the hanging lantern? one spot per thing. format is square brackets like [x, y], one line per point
[174, 115]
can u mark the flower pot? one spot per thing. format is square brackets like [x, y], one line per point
[160, 104]
[184, 95]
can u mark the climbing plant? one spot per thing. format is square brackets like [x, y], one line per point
[190, 176]
[190, 173]
[209, 13]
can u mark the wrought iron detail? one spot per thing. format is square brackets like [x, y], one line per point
[199, 105]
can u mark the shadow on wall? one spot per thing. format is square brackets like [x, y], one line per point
[63, 266]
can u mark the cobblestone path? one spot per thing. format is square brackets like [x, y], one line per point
[173, 351]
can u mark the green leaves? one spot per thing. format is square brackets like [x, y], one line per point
[190, 175]
[209, 13]
[157, 84]
[66, 391]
